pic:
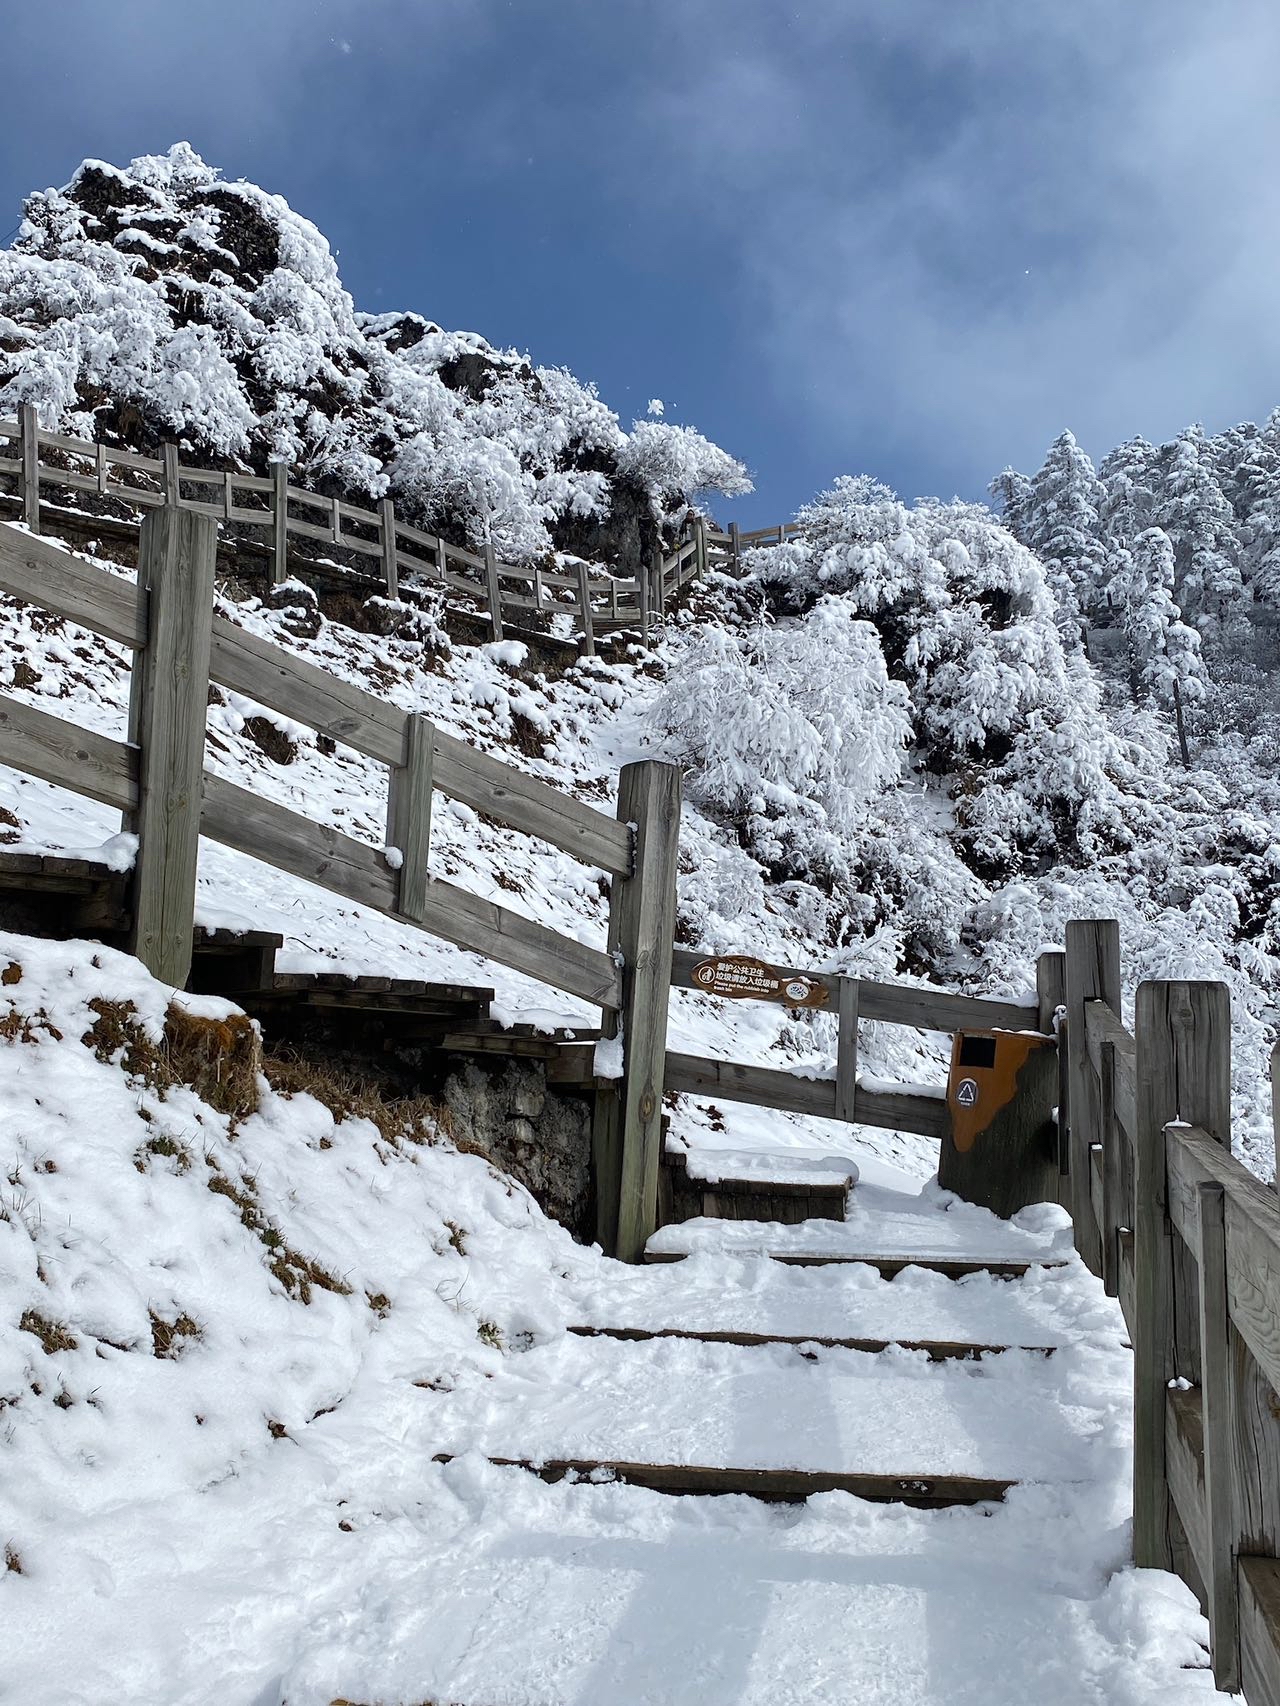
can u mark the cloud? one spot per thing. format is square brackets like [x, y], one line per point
[961, 227]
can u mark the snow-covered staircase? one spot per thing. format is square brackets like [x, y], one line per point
[892, 1354]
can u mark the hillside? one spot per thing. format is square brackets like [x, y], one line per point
[160, 301]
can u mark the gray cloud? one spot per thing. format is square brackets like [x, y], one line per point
[961, 227]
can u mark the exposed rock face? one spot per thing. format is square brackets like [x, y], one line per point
[159, 302]
[541, 1137]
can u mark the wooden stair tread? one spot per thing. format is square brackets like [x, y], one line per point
[938, 1350]
[776, 1485]
[953, 1267]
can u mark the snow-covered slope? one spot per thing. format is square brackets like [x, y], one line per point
[234, 1342]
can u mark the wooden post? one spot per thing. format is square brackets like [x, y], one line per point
[1218, 1423]
[735, 545]
[409, 815]
[584, 611]
[495, 590]
[1182, 1072]
[701, 557]
[657, 569]
[335, 520]
[390, 566]
[1112, 1175]
[846, 1048]
[642, 599]
[280, 522]
[1093, 974]
[177, 553]
[627, 1138]
[170, 477]
[1051, 1018]
[29, 450]
[101, 468]
[228, 495]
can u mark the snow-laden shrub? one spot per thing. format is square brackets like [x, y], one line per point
[797, 721]
[968, 626]
[161, 302]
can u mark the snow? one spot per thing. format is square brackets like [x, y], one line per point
[257, 1519]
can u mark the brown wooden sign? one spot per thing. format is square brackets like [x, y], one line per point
[745, 979]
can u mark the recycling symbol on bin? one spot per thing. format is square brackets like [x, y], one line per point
[967, 1093]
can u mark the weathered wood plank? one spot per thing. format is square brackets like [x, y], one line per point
[40, 572]
[409, 815]
[67, 755]
[894, 1004]
[846, 1048]
[29, 452]
[888, 1265]
[1184, 1453]
[279, 522]
[1260, 1630]
[1093, 974]
[177, 559]
[338, 862]
[1183, 1037]
[1218, 1429]
[777, 1485]
[937, 1350]
[1102, 1028]
[1253, 1236]
[641, 929]
[766, 1087]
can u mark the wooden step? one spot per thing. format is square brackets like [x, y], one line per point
[888, 1266]
[937, 1350]
[791, 1486]
[685, 1195]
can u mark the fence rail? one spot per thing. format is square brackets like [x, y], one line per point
[393, 550]
[1189, 1241]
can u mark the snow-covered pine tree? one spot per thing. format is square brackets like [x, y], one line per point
[1164, 653]
[1061, 523]
[1193, 511]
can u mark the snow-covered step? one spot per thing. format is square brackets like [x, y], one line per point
[730, 1184]
[713, 1291]
[889, 1231]
[893, 1418]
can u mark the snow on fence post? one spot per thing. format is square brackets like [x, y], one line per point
[627, 1135]
[279, 522]
[1182, 1074]
[494, 588]
[1093, 974]
[390, 566]
[29, 443]
[169, 690]
[584, 611]
[409, 815]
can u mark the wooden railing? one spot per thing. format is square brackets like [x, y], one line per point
[1189, 1241]
[43, 464]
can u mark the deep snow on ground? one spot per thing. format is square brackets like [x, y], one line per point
[256, 1519]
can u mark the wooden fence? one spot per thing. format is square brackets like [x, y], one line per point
[1189, 1241]
[1178, 1230]
[44, 465]
[157, 780]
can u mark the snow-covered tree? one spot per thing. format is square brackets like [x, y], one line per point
[1164, 653]
[1199, 522]
[1061, 523]
[162, 302]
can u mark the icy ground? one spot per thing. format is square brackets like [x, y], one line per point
[254, 1518]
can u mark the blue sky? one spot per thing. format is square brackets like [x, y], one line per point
[908, 237]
